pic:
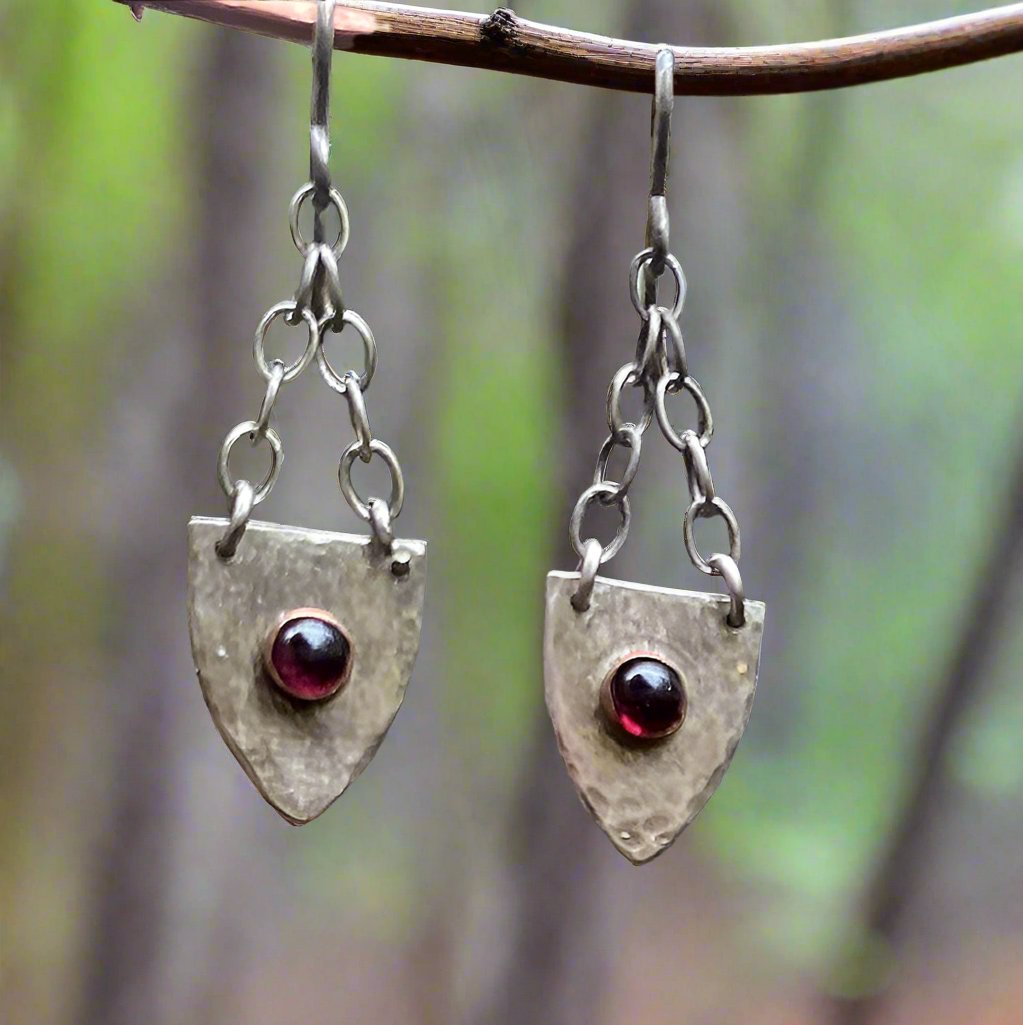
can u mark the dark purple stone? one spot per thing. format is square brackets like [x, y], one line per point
[647, 698]
[310, 658]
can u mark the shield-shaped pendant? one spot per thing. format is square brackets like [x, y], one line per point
[644, 781]
[304, 643]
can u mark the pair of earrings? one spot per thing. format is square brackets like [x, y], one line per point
[304, 640]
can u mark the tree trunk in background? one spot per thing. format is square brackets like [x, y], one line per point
[157, 954]
[563, 927]
[909, 851]
[806, 391]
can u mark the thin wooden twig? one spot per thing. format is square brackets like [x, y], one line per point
[502, 41]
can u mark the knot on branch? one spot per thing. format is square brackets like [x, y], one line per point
[499, 28]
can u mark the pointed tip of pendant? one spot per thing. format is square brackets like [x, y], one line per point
[644, 796]
[301, 755]
[297, 820]
[294, 812]
[639, 850]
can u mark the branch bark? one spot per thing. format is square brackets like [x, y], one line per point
[502, 41]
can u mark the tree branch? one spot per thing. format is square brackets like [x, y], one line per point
[502, 41]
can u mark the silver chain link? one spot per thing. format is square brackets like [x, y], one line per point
[660, 369]
[319, 305]
[242, 496]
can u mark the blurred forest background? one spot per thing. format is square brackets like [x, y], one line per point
[855, 313]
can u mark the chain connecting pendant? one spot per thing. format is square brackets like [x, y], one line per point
[649, 689]
[304, 640]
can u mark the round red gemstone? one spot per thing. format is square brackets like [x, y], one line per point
[647, 698]
[309, 657]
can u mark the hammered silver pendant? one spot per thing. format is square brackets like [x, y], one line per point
[645, 782]
[302, 748]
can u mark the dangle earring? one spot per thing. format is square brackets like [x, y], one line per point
[304, 640]
[649, 689]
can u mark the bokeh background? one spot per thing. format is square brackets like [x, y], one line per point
[855, 262]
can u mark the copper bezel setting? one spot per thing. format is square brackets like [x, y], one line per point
[281, 623]
[611, 714]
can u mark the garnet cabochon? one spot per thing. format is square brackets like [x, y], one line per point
[645, 697]
[308, 655]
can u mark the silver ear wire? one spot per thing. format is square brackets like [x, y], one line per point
[319, 127]
[658, 228]
[660, 121]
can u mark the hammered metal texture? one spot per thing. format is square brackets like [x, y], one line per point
[301, 755]
[644, 794]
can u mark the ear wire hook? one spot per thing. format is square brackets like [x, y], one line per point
[660, 121]
[319, 128]
[658, 227]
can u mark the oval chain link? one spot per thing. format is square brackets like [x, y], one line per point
[642, 265]
[673, 382]
[362, 508]
[705, 508]
[369, 349]
[287, 309]
[630, 438]
[630, 375]
[359, 415]
[272, 438]
[334, 200]
[266, 408]
[606, 493]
